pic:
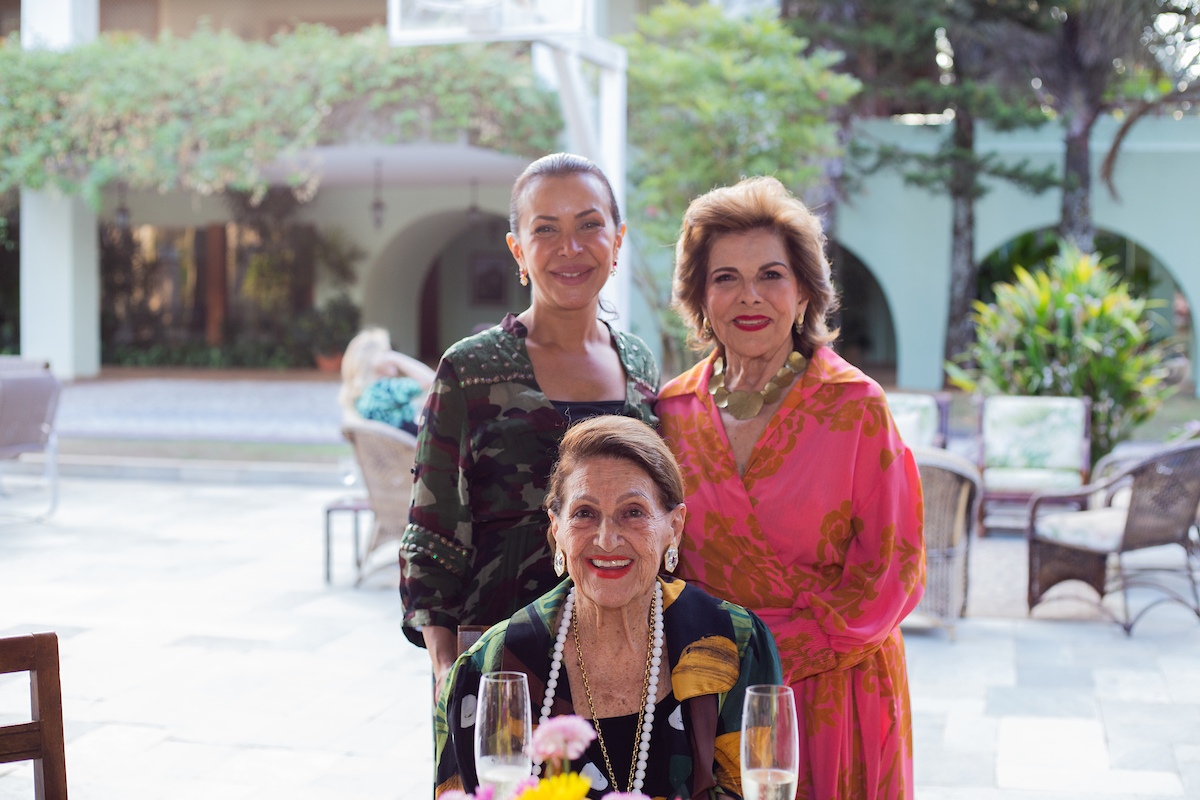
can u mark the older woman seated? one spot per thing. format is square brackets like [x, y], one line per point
[616, 515]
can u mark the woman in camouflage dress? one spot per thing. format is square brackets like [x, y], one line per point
[475, 548]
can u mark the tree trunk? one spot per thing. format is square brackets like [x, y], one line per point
[964, 273]
[1076, 225]
[1080, 111]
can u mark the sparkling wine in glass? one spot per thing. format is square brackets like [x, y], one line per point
[770, 744]
[503, 726]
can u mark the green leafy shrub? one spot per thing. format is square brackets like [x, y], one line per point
[206, 113]
[713, 99]
[330, 328]
[237, 354]
[1072, 330]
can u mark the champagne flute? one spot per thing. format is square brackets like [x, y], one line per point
[770, 744]
[503, 726]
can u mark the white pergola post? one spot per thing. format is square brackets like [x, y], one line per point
[603, 143]
[567, 28]
[60, 252]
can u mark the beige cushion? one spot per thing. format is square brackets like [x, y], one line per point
[1002, 479]
[1098, 530]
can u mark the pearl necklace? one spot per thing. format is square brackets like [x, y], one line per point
[649, 686]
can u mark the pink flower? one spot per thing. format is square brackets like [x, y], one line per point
[562, 738]
[528, 783]
[481, 793]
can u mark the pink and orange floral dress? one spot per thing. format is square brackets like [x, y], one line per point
[822, 538]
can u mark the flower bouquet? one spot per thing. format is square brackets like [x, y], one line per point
[556, 743]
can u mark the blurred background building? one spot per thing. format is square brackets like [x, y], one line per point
[410, 236]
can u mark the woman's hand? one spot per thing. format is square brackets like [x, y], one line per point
[442, 645]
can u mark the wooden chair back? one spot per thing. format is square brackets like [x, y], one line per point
[39, 741]
[469, 635]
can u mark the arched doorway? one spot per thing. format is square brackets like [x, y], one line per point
[868, 336]
[1147, 275]
[470, 283]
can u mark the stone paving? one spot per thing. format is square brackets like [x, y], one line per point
[204, 656]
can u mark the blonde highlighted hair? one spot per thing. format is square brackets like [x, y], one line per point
[357, 365]
[754, 204]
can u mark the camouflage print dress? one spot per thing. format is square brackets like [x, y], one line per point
[475, 551]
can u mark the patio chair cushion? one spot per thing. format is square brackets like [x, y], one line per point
[1008, 479]
[1033, 432]
[916, 417]
[1099, 530]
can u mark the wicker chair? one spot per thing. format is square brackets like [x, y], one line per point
[922, 420]
[952, 490]
[28, 402]
[385, 456]
[1032, 444]
[1090, 545]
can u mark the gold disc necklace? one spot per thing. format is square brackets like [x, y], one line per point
[746, 405]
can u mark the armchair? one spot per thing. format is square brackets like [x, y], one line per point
[1031, 444]
[1090, 545]
[922, 420]
[951, 487]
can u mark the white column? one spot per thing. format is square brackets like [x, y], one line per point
[60, 254]
[60, 283]
[612, 158]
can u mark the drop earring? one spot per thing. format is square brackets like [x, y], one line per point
[671, 559]
[799, 325]
[613, 271]
[560, 562]
[524, 277]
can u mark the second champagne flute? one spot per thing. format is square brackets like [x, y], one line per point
[503, 726]
[770, 744]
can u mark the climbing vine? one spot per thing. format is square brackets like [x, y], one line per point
[207, 113]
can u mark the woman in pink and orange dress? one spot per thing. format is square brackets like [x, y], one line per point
[803, 503]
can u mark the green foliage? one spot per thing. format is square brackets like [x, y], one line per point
[1038, 247]
[10, 275]
[238, 354]
[206, 113]
[330, 328]
[711, 100]
[889, 46]
[1071, 330]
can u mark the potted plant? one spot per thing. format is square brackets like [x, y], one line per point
[327, 331]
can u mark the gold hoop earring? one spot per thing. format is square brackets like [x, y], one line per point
[524, 277]
[706, 328]
[560, 562]
[671, 559]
